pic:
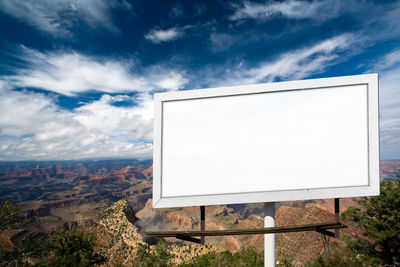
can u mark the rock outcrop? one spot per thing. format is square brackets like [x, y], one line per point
[119, 237]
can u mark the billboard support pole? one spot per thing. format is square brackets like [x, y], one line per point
[337, 216]
[269, 239]
[202, 223]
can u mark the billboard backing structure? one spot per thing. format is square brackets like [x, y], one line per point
[297, 140]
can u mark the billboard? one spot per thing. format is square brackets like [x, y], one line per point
[296, 140]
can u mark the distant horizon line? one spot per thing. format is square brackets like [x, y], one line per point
[110, 159]
[76, 160]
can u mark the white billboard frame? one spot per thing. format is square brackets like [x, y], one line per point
[372, 188]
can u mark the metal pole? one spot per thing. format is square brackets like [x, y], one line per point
[337, 215]
[202, 223]
[269, 239]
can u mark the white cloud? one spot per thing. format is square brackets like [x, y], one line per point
[295, 64]
[173, 81]
[32, 126]
[22, 108]
[383, 23]
[159, 36]
[70, 73]
[292, 9]
[390, 138]
[58, 17]
[376, 21]
[388, 68]
[120, 123]
[387, 61]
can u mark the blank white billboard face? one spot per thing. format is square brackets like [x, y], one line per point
[269, 142]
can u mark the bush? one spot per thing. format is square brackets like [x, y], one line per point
[72, 248]
[10, 217]
[379, 218]
[245, 257]
[344, 258]
[159, 258]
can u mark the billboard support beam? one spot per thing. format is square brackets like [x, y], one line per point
[325, 232]
[256, 231]
[189, 238]
[269, 239]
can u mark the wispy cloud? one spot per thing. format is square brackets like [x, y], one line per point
[59, 17]
[387, 61]
[70, 73]
[293, 9]
[388, 67]
[160, 36]
[379, 21]
[295, 64]
[383, 23]
[222, 41]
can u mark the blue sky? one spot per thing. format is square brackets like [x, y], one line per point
[77, 77]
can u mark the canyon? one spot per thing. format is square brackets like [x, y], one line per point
[68, 194]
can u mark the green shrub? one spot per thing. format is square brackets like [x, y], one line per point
[379, 218]
[159, 258]
[72, 248]
[344, 258]
[244, 257]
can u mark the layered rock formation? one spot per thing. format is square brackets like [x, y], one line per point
[119, 237]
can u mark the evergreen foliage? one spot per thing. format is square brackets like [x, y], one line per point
[10, 216]
[72, 248]
[244, 257]
[160, 258]
[64, 248]
[336, 257]
[379, 218]
[28, 248]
